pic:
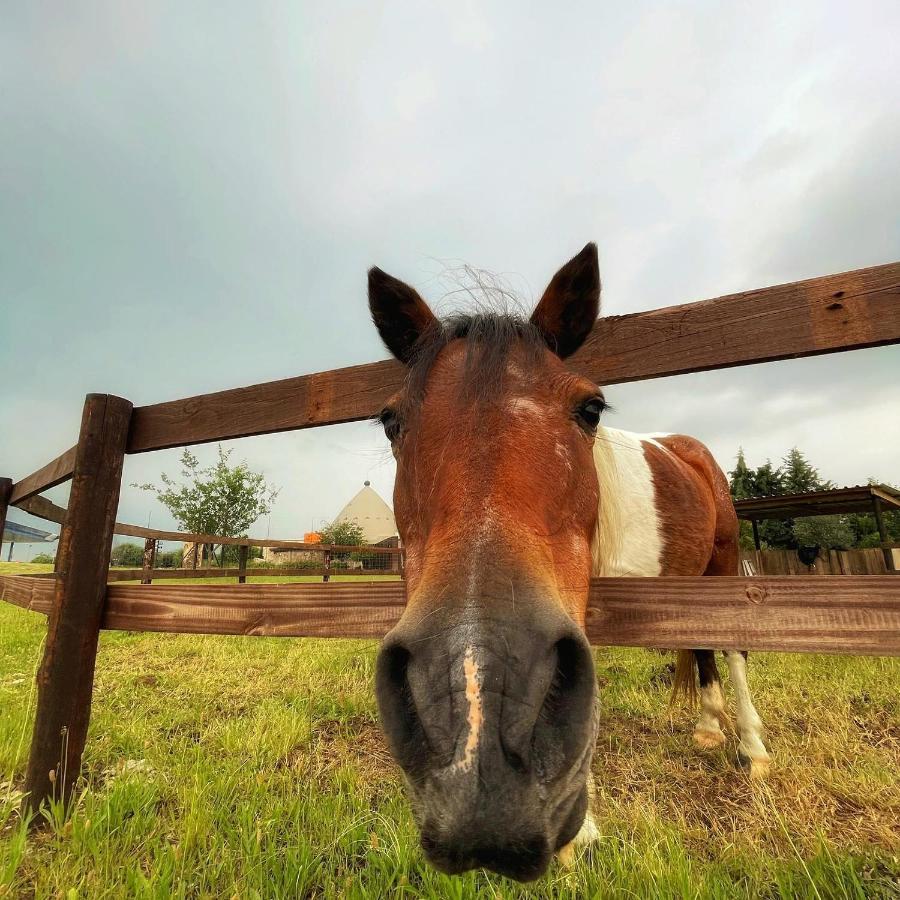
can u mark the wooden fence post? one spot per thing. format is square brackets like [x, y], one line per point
[327, 574]
[243, 553]
[6, 486]
[66, 677]
[882, 536]
[149, 559]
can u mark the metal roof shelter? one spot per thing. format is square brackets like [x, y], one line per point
[13, 534]
[868, 498]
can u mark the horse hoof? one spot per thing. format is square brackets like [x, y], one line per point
[566, 855]
[758, 767]
[708, 740]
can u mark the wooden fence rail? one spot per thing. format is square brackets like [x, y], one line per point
[846, 614]
[830, 614]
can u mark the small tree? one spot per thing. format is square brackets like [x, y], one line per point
[129, 555]
[343, 534]
[219, 499]
[43, 558]
[829, 532]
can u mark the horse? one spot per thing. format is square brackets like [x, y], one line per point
[509, 496]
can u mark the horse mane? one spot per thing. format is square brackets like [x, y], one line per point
[606, 544]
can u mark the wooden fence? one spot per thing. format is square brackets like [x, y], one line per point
[851, 614]
[829, 562]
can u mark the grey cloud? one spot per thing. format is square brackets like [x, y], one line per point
[192, 195]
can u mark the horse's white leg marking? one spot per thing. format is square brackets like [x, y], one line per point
[749, 724]
[708, 730]
[475, 717]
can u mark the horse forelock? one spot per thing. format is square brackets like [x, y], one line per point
[491, 338]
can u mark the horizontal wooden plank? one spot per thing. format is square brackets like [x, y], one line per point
[43, 509]
[55, 472]
[852, 614]
[28, 592]
[339, 609]
[156, 574]
[843, 614]
[190, 538]
[848, 311]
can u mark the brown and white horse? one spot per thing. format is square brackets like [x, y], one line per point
[509, 496]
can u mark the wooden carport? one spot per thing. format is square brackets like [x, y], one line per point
[869, 498]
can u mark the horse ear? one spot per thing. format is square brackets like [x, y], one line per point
[399, 313]
[569, 307]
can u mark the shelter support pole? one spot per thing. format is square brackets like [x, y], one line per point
[6, 486]
[243, 553]
[755, 534]
[66, 677]
[149, 559]
[882, 535]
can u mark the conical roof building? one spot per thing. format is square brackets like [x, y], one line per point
[371, 513]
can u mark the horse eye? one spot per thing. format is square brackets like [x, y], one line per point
[589, 412]
[390, 423]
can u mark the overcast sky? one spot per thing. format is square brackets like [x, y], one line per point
[192, 193]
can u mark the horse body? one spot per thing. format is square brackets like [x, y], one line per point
[509, 496]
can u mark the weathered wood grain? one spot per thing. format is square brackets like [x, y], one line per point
[31, 592]
[852, 614]
[848, 311]
[845, 614]
[65, 679]
[55, 472]
[310, 609]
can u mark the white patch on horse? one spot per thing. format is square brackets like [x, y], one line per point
[564, 455]
[629, 538]
[749, 724]
[519, 405]
[475, 715]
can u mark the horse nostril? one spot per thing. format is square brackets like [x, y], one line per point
[564, 725]
[399, 718]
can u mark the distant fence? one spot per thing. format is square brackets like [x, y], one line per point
[852, 614]
[870, 561]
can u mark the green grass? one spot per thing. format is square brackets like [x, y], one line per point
[251, 767]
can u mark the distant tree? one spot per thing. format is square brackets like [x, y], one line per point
[741, 478]
[171, 559]
[828, 532]
[767, 481]
[43, 558]
[799, 476]
[129, 555]
[343, 534]
[219, 499]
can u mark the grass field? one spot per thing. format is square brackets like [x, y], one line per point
[253, 768]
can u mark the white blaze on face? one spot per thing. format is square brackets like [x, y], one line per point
[475, 716]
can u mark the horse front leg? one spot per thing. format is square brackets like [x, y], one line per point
[751, 749]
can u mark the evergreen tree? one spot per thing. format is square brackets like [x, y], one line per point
[799, 476]
[741, 478]
[768, 481]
